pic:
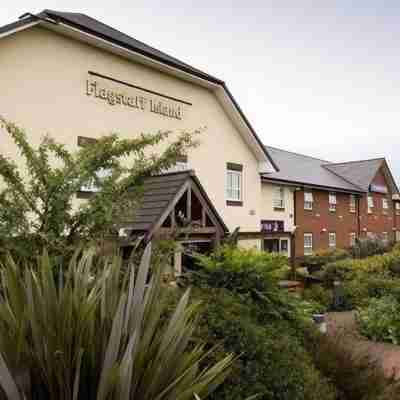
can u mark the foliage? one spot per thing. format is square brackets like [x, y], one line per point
[380, 320]
[355, 376]
[323, 257]
[37, 204]
[244, 308]
[319, 295]
[369, 247]
[98, 331]
[363, 279]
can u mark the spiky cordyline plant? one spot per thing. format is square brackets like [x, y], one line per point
[97, 332]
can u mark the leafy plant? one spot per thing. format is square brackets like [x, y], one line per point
[380, 320]
[38, 204]
[98, 331]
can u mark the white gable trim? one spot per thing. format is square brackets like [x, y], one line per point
[19, 29]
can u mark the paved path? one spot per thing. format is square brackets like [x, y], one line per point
[385, 354]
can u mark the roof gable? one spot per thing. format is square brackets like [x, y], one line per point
[84, 28]
[362, 173]
[306, 170]
[161, 194]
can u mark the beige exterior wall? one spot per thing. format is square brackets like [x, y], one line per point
[250, 244]
[43, 79]
[267, 209]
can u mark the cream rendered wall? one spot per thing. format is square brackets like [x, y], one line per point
[43, 82]
[267, 208]
[250, 244]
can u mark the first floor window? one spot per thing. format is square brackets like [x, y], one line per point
[385, 205]
[352, 239]
[279, 198]
[370, 203]
[308, 244]
[352, 203]
[385, 237]
[308, 200]
[234, 184]
[332, 240]
[332, 201]
[397, 208]
[91, 186]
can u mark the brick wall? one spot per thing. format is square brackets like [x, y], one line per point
[320, 221]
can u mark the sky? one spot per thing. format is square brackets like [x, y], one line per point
[315, 77]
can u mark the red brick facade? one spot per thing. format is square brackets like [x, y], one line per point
[320, 221]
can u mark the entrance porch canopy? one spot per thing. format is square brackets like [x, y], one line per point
[176, 202]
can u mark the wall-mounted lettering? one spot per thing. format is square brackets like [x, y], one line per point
[170, 107]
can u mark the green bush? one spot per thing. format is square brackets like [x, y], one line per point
[380, 320]
[322, 257]
[319, 295]
[245, 309]
[369, 247]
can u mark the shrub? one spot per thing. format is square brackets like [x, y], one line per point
[319, 295]
[99, 332]
[369, 247]
[244, 308]
[380, 320]
[322, 257]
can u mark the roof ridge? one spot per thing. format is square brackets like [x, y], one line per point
[357, 161]
[296, 153]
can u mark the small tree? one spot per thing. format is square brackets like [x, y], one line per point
[38, 207]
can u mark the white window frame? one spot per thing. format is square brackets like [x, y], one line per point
[353, 238]
[308, 200]
[385, 205]
[370, 203]
[91, 187]
[286, 253]
[385, 237]
[308, 250]
[352, 203]
[397, 208]
[332, 240]
[279, 198]
[332, 202]
[238, 189]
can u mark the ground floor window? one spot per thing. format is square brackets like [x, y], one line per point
[352, 239]
[398, 235]
[308, 244]
[332, 240]
[277, 245]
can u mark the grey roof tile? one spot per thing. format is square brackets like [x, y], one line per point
[306, 170]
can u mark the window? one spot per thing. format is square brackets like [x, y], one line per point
[352, 203]
[308, 200]
[385, 205]
[397, 236]
[332, 240]
[284, 246]
[180, 165]
[308, 244]
[370, 203]
[397, 208]
[352, 239]
[279, 198]
[385, 237]
[234, 183]
[332, 202]
[370, 235]
[91, 186]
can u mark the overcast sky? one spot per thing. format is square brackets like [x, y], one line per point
[317, 77]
